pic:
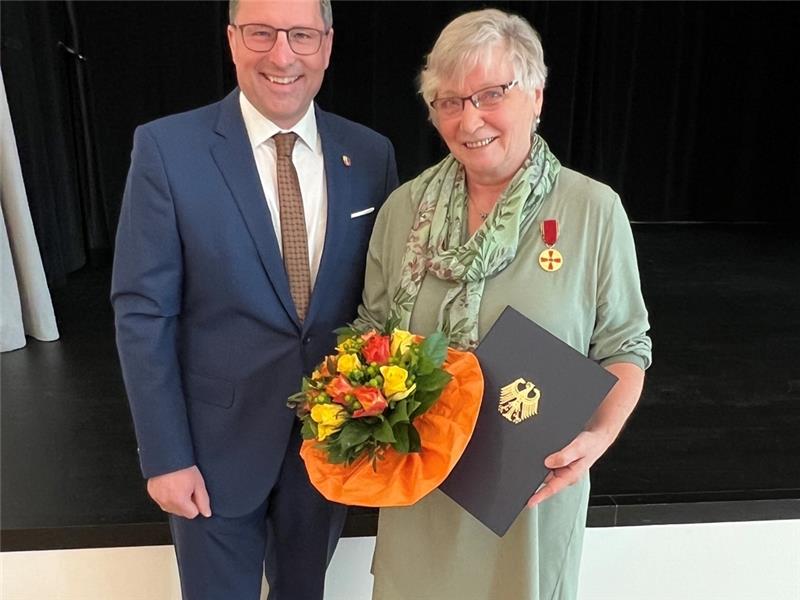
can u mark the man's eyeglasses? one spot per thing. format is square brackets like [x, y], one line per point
[485, 99]
[261, 38]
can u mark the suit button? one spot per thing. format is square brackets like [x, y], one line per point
[307, 340]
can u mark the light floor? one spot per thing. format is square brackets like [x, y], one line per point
[717, 561]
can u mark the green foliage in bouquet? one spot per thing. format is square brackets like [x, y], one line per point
[365, 398]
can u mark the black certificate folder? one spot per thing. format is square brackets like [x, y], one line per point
[538, 394]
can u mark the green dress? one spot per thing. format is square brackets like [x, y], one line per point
[435, 550]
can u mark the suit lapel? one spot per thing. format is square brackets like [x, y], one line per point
[337, 179]
[235, 160]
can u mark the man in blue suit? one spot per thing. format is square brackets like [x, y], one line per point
[213, 330]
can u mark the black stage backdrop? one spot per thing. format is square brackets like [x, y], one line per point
[689, 110]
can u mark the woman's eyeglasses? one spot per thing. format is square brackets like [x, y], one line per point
[484, 99]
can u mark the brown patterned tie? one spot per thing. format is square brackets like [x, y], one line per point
[293, 224]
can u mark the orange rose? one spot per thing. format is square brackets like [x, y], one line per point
[338, 388]
[376, 348]
[372, 402]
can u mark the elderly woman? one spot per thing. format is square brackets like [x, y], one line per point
[456, 245]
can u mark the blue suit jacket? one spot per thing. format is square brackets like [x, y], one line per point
[209, 341]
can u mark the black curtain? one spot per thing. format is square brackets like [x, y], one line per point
[687, 109]
[146, 60]
[80, 76]
[35, 71]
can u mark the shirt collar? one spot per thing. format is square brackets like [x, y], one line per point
[260, 128]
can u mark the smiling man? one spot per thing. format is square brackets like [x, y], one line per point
[241, 246]
[280, 74]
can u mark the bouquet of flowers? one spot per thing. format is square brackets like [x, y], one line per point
[364, 399]
[386, 418]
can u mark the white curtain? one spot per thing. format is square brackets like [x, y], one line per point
[25, 305]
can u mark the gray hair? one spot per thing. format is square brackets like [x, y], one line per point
[325, 11]
[470, 40]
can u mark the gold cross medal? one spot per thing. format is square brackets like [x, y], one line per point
[550, 259]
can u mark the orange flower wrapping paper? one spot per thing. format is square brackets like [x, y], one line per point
[403, 479]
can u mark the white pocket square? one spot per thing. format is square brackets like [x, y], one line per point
[361, 213]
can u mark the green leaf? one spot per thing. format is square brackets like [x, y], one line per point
[357, 450]
[414, 444]
[424, 401]
[435, 348]
[309, 430]
[297, 396]
[400, 412]
[383, 433]
[401, 441]
[425, 365]
[435, 380]
[353, 433]
[343, 333]
[296, 400]
[336, 455]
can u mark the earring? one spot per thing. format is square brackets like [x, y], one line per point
[538, 120]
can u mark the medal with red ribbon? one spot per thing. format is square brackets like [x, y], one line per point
[550, 259]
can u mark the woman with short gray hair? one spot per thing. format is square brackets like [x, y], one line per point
[472, 40]
[501, 222]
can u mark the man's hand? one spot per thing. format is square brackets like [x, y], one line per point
[182, 493]
[568, 465]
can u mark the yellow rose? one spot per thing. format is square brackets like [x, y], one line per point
[394, 380]
[347, 363]
[329, 419]
[406, 394]
[328, 414]
[401, 340]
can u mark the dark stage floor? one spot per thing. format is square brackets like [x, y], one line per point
[715, 436]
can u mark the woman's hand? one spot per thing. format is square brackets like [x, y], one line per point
[570, 464]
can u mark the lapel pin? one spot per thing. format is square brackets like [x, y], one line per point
[346, 160]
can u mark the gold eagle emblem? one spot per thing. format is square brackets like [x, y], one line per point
[519, 400]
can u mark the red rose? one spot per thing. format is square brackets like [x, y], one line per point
[376, 348]
[338, 388]
[372, 402]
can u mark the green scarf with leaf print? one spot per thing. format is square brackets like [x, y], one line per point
[435, 244]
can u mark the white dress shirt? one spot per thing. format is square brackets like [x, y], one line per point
[310, 166]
